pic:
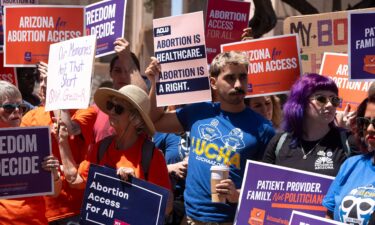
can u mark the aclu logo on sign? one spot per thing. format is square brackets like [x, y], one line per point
[27, 56]
[162, 31]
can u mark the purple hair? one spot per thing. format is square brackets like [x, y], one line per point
[295, 106]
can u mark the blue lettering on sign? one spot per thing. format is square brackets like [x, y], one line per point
[179, 86]
[162, 31]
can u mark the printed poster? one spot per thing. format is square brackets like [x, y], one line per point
[22, 152]
[225, 21]
[319, 33]
[69, 73]
[10, 2]
[270, 193]
[106, 20]
[7, 73]
[335, 66]
[29, 31]
[361, 47]
[300, 218]
[109, 200]
[274, 63]
[181, 52]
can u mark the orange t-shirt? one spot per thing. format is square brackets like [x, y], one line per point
[23, 211]
[157, 174]
[68, 203]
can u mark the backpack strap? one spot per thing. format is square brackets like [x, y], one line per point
[280, 143]
[345, 142]
[147, 153]
[103, 146]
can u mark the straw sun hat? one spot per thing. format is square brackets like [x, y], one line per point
[131, 94]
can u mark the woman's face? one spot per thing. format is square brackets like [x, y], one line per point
[369, 133]
[262, 105]
[118, 114]
[11, 112]
[322, 107]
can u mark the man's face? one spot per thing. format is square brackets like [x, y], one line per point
[119, 76]
[42, 88]
[231, 84]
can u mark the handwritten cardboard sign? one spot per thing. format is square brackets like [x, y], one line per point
[335, 66]
[270, 193]
[319, 33]
[29, 30]
[106, 20]
[361, 47]
[22, 152]
[274, 63]
[181, 52]
[110, 200]
[70, 70]
[225, 21]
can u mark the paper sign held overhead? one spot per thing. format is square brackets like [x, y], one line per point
[70, 70]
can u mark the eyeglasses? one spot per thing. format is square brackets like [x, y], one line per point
[323, 100]
[364, 122]
[10, 107]
[119, 109]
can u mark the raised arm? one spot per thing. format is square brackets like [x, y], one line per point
[122, 48]
[70, 167]
[166, 122]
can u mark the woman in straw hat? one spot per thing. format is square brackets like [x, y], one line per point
[128, 110]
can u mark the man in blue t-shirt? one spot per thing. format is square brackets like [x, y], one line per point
[223, 133]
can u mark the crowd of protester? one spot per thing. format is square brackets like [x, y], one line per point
[125, 130]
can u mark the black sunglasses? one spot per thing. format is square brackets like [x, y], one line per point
[10, 107]
[323, 100]
[119, 109]
[364, 122]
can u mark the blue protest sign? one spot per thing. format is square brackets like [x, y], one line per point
[300, 218]
[361, 48]
[21, 155]
[106, 20]
[109, 200]
[270, 193]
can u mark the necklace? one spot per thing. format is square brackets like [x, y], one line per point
[311, 150]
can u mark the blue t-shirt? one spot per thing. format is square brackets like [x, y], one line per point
[217, 138]
[351, 196]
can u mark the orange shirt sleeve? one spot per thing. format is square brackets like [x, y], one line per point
[158, 172]
[86, 120]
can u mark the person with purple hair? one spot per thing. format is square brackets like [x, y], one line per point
[311, 141]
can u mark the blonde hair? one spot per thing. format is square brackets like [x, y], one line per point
[225, 58]
[8, 90]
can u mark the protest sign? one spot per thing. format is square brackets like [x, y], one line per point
[70, 70]
[274, 63]
[181, 52]
[335, 66]
[106, 20]
[10, 2]
[361, 47]
[22, 152]
[269, 193]
[301, 218]
[109, 200]
[7, 73]
[29, 30]
[319, 33]
[225, 21]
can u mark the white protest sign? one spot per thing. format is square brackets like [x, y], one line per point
[70, 67]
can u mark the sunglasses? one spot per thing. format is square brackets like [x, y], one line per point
[364, 122]
[119, 109]
[323, 100]
[10, 107]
